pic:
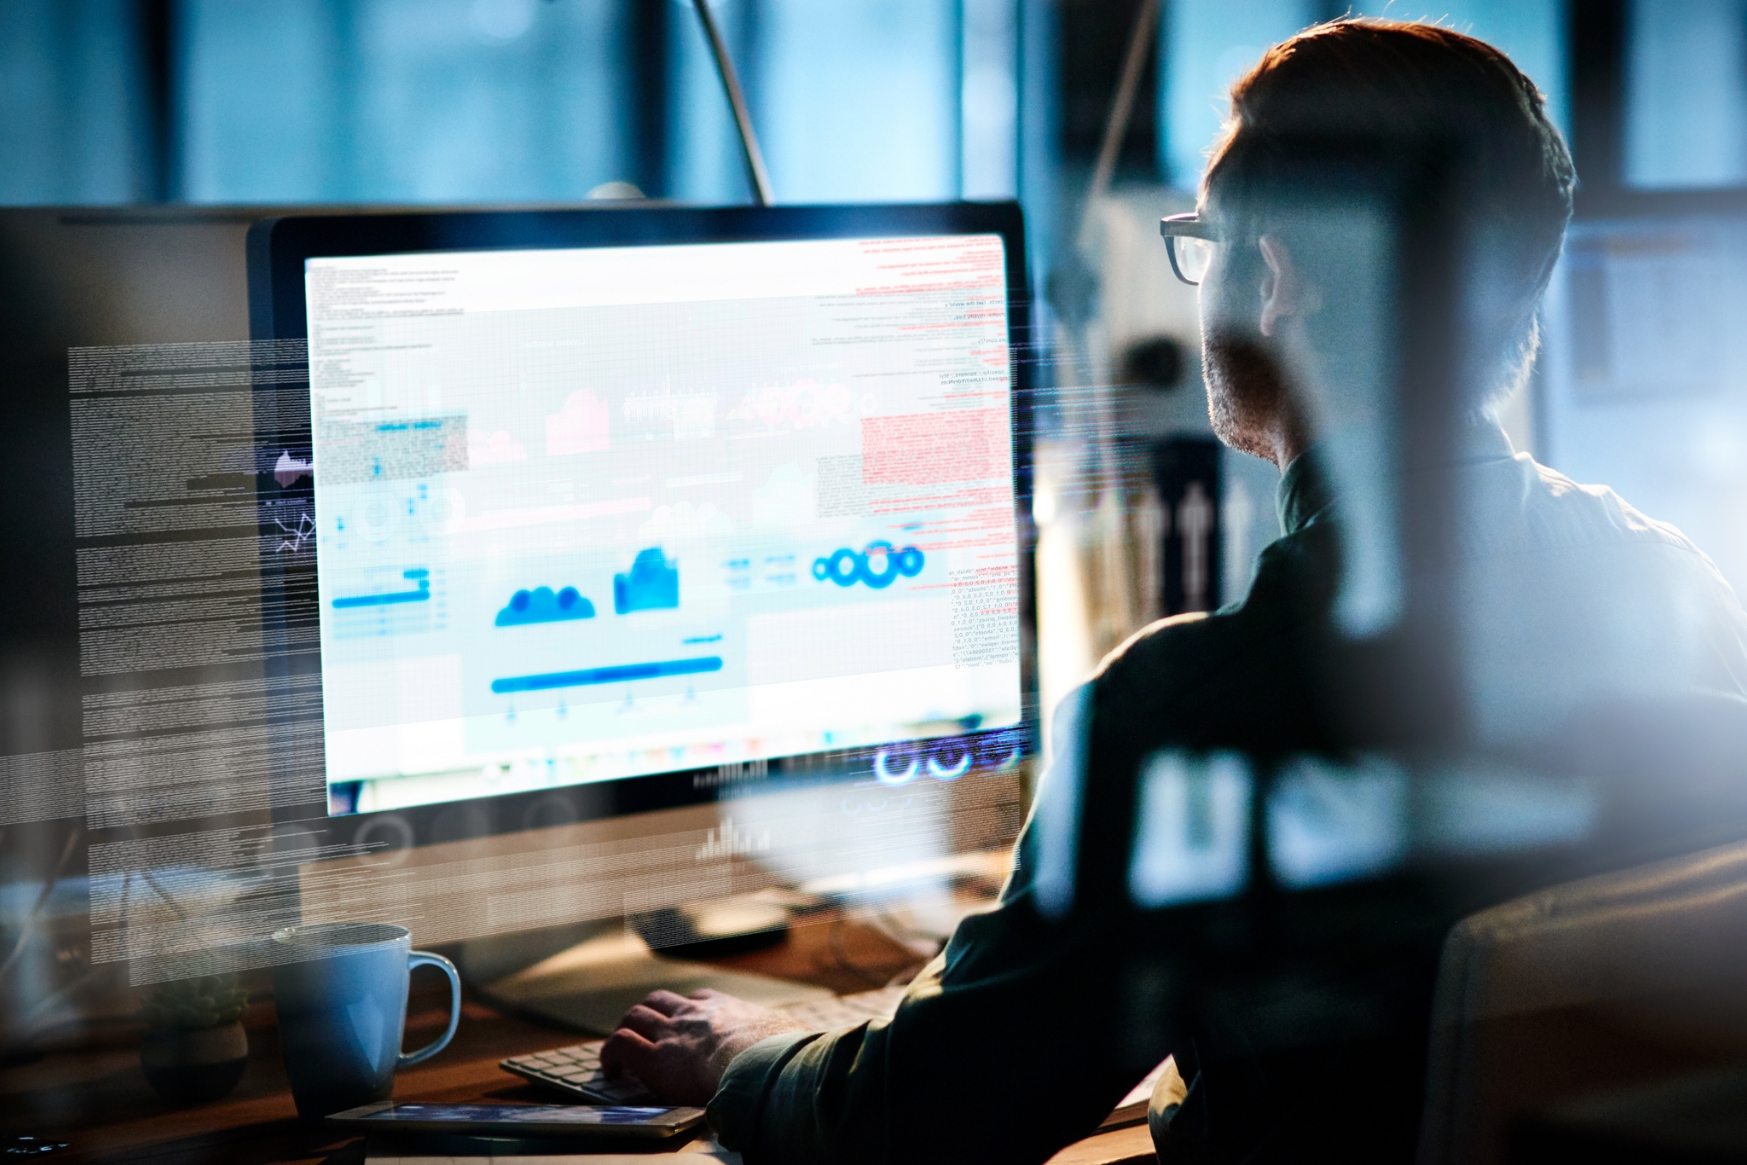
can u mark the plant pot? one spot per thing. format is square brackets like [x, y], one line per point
[186, 1067]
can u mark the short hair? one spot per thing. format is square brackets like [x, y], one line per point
[1420, 84]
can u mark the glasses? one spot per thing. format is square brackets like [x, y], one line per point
[1189, 239]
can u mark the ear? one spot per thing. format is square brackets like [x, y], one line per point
[1284, 290]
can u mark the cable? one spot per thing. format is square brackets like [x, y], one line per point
[737, 102]
[1142, 37]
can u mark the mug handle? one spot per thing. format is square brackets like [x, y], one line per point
[427, 959]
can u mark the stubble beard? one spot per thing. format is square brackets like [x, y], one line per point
[1245, 394]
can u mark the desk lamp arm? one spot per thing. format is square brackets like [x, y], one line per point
[755, 170]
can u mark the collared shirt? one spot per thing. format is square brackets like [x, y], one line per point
[1026, 1030]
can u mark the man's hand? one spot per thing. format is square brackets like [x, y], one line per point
[680, 1047]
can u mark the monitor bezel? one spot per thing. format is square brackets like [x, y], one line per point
[278, 249]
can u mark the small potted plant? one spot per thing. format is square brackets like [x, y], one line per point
[194, 1047]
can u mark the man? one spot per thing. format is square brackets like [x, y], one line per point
[1308, 1041]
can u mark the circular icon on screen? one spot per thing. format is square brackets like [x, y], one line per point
[891, 770]
[943, 766]
[878, 565]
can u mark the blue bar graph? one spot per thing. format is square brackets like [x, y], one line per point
[422, 577]
[616, 674]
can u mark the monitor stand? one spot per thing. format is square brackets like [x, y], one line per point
[589, 986]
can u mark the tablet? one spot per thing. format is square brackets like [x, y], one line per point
[520, 1120]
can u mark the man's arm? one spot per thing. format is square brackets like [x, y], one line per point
[1007, 1046]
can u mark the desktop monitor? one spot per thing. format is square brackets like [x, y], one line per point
[575, 516]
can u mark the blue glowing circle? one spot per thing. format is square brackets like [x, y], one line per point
[909, 561]
[567, 598]
[950, 772]
[520, 600]
[887, 777]
[883, 551]
[843, 567]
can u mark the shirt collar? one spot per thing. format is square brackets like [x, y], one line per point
[1305, 495]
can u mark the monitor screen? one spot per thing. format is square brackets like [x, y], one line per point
[592, 513]
[1645, 385]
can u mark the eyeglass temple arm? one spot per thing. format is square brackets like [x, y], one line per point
[1185, 226]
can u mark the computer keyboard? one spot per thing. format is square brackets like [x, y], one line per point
[576, 1070]
[823, 1015]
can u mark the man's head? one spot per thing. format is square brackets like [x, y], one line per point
[1428, 89]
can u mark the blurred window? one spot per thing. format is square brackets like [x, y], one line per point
[69, 81]
[989, 99]
[858, 99]
[853, 101]
[1208, 44]
[1192, 838]
[388, 100]
[1686, 93]
[521, 100]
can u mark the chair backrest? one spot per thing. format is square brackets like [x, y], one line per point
[1601, 982]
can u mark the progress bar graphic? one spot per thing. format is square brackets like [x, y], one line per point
[421, 580]
[616, 674]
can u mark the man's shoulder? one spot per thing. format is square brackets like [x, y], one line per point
[1589, 525]
[1561, 511]
[1178, 671]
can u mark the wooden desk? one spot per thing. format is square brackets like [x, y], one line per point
[97, 1099]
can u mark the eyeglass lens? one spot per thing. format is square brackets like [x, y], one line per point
[1191, 256]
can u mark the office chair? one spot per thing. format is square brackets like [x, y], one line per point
[1603, 982]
